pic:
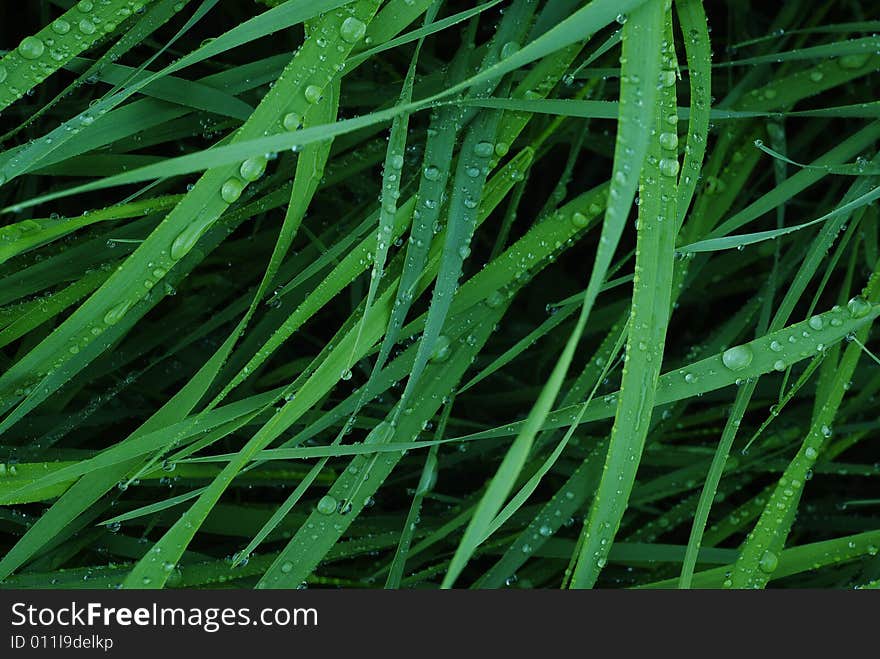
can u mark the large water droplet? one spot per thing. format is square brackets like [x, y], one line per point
[858, 307]
[769, 562]
[231, 190]
[31, 47]
[737, 357]
[185, 241]
[509, 49]
[579, 220]
[668, 141]
[61, 26]
[253, 168]
[291, 121]
[313, 93]
[86, 26]
[352, 30]
[667, 78]
[116, 313]
[327, 505]
[855, 61]
[484, 149]
[441, 349]
[668, 166]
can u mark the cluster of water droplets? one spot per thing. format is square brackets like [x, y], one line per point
[63, 39]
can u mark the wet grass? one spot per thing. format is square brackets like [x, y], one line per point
[430, 294]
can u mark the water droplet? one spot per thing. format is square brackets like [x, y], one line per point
[442, 349]
[668, 141]
[856, 61]
[579, 220]
[775, 346]
[61, 26]
[737, 357]
[86, 26]
[231, 190]
[667, 78]
[352, 30]
[509, 49]
[432, 173]
[286, 567]
[292, 121]
[779, 365]
[816, 323]
[253, 168]
[668, 166]
[116, 313]
[31, 47]
[184, 242]
[396, 161]
[484, 149]
[327, 505]
[313, 93]
[858, 307]
[768, 562]
[495, 300]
